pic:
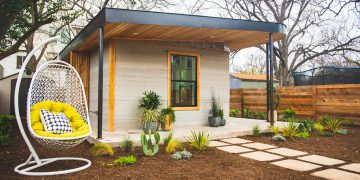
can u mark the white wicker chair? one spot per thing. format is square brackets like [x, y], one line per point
[57, 81]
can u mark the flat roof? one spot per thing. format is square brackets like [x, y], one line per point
[255, 77]
[159, 26]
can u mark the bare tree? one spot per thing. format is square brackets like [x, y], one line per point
[255, 64]
[315, 28]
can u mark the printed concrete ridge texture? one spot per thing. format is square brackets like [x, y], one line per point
[260, 146]
[351, 167]
[217, 143]
[322, 160]
[335, 174]
[296, 165]
[235, 140]
[287, 152]
[261, 156]
[234, 149]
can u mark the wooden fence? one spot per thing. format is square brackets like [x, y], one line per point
[341, 101]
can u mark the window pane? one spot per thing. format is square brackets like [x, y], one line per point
[183, 94]
[183, 67]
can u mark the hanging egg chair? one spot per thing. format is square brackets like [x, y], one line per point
[57, 86]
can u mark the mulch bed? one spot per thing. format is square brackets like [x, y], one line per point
[210, 164]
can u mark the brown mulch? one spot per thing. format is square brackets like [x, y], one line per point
[210, 164]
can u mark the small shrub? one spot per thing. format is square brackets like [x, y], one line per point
[306, 125]
[324, 120]
[128, 146]
[234, 112]
[245, 113]
[176, 156]
[101, 149]
[275, 129]
[256, 130]
[278, 137]
[125, 160]
[290, 130]
[334, 125]
[5, 140]
[342, 131]
[348, 122]
[304, 134]
[174, 145]
[319, 127]
[168, 138]
[288, 114]
[5, 128]
[199, 140]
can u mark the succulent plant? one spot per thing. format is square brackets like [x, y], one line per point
[185, 154]
[176, 156]
[149, 148]
[278, 137]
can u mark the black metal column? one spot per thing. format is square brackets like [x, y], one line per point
[267, 84]
[100, 81]
[271, 74]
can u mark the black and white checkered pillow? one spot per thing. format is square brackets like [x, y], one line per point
[55, 123]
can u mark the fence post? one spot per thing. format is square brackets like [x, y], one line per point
[314, 96]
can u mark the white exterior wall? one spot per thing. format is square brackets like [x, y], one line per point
[142, 67]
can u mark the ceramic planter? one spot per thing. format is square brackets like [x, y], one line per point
[214, 121]
[167, 125]
[152, 126]
[223, 122]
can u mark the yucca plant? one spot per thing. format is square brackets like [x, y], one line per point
[275, 129]
[101, 149]
[290, 130]
[334, 125]
[173, 146]
[198, 140]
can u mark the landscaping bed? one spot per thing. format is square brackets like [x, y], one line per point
[210, 164]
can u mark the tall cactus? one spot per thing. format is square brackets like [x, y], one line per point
[149, 148]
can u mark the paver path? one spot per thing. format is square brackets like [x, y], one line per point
[290, 158]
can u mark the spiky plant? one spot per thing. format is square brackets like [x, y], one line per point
[128, 146]
[256, 130]
[334, 125]
[198, 140]
[168, 138]
[290, 130]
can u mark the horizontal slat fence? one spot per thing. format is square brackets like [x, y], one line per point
[341, 101]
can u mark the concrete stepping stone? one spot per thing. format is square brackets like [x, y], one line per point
[259, 146]
[335, 174]
[351, 167]
[217, 143]
[322, 160]
[287, 152]
[261, 156]
[234, 149]
[236, 140]
[296, 165]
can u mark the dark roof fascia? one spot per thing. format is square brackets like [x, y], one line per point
[98, 21]
[112, 15]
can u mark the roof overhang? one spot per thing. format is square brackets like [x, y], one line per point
[157, 26]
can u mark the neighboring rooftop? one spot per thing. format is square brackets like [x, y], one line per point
[157, 26]
[255, 77]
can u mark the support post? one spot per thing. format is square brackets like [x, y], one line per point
[271, 74]
[100, 81]
[267, 84]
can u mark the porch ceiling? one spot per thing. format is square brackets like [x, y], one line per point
[140, 25]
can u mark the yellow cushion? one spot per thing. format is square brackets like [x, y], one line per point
[78, 125]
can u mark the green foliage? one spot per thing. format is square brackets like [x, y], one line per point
[254, 115]
[278, 137]
[325, 120]
[150, 101]
[306, 125]
[181, 155]
[234, 112]
[290, 130]
[5, 128]
[168, 138]
[256, 130]
[275, 129]
[288, 114]
[334, 124]
[150, 115]
[128, 146]
[221, 113]
[150, 148]
[215, 105]
[348, 122]
[174, 145]
[167, 111]
[101, 149]
[303, 134]
[199, 140]
[319, 127]
[125, 160]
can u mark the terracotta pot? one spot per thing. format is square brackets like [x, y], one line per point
[166, 125]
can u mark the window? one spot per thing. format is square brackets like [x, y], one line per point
[183, 80]
[19, 61]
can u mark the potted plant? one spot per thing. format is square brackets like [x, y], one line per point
[149, 106]
[214, 118]
[223, 121]
[167, 118]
